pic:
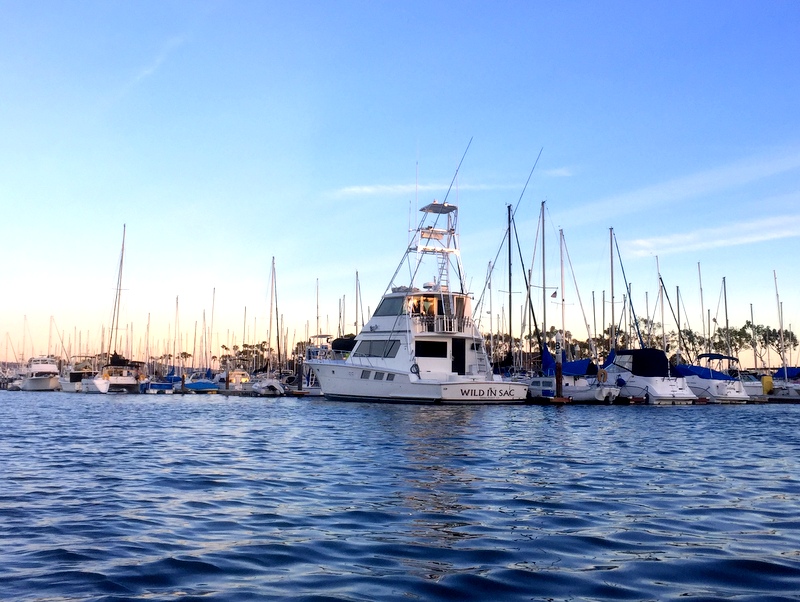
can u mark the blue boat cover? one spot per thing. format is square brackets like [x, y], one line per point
[787, 373]
[707, 373]
[582, 367]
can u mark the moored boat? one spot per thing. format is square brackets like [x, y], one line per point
[710, 382]
[72, 379]
[41, 374]
[421, 344]
[644, 374]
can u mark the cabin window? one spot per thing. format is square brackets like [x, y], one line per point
[365, 374]
[391, 306]
[377, 348]
[431, 349]
[379, 376]
[390, 377]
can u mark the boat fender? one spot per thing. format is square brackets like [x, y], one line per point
[415, 369]
[602, 375]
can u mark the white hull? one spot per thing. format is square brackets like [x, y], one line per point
[718, 391]
[70, 387]
[40, 383]
[41, 374]
[582, 389]
[97, 384]
[578, 389]
[267, 387]
[345, 382]
[658, 390]
[123, 384]
[782, 388]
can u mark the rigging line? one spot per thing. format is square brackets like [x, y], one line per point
[580, 303]
[688, 325]
[513, 213]
[672, 311]
[628, 288]
[536, 330]
[455, 175]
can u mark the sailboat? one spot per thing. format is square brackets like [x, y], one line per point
[119, 374]
[643, 374]
[784, 380]
[421, 344]
[707, 379]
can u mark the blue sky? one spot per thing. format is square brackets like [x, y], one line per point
[224, 134]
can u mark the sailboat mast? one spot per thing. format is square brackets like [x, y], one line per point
[612, 340]
[278, 332]
[661, 303]
[563, 304]
[211, 328]
[356, 305]
[115, 314]
[702, 308]
[727, 327]
[780, 324]
[271, 301]
[544, 289]
[510, 312]
[755, 351]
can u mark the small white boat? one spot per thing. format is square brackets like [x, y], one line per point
[644, 375]
[123, 375]
[581, 380]
[80, 367]
[267, 386]
[710, 382]
[421, 345]
[41, 374]
[755, 385]
[95, 384]
[234, 380]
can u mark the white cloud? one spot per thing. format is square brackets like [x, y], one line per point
[688, 187]
[728, 235]
[154, 65]
[559, 172]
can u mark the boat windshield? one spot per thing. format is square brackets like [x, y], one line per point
[391, 306]
[377, 348]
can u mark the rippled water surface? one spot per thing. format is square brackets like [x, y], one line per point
[208, 498]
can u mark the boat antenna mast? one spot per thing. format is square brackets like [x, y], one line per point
[420, 250]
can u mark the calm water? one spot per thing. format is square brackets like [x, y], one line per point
[207, 498]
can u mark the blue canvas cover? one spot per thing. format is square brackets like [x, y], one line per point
[688, 370]
[787, 373]
[582, 367]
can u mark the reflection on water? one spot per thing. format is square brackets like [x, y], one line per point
[133, 498]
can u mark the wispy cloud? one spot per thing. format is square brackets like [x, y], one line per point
[168, 47]
[727, 235]
[691, 186]
[404, 189]
[559, 172]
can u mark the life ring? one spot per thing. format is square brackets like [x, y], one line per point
[415, 369]
[602, 376]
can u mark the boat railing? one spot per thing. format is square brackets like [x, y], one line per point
[441, 324]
